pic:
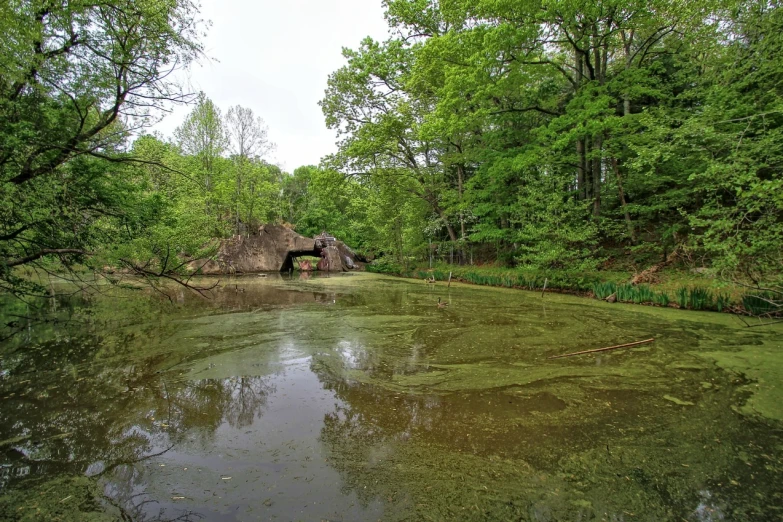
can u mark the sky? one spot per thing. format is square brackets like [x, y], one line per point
[275, 57]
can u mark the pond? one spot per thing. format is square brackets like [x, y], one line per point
[355, 397]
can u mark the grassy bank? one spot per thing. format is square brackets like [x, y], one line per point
[672, 288]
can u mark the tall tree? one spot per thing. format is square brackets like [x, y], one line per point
[76, 78]
[248, 135]
[203, 136]
[248, 141]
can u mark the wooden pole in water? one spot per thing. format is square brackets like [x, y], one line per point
[546, 280]
[449, 285]
[602, 349]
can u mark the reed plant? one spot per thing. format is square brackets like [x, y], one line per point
[440, 276]
[722, 301]
[626, 293]
[682, 296]
[761, 303]
[604, 290]
[644, 294]
[700, 299]
[661, 299]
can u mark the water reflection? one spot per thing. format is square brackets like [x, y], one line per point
[300, 399]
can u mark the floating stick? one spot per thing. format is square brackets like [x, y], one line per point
[602, 349]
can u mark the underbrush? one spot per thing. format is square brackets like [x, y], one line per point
[680, 290]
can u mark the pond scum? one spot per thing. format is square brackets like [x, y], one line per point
[354, 397]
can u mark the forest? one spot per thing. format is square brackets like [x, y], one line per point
[561, 135]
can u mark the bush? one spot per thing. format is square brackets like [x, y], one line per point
[385, 265]
[722, 302]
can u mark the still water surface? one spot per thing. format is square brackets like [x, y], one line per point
[356, 398]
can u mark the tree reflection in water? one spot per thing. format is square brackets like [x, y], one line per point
[72, 408]
[301, 393]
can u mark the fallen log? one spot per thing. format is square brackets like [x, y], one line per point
[602, 349]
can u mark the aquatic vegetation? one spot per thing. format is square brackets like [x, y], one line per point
[661, 299]
[407, 409]
[700, 299]
[761, 303]
[626, 293]
[604, 290]
[722, 301]
[644, 294]
[686, 297]
[682, 295]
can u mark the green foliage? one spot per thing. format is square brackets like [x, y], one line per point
[658, 129]
[503, 131]
[644, 294]
[683, 297]
[626, 293]
[75, 77]
[661, 299]
[722, 301]
[762, 303]
[700, 299]
[604, 290]
[386, 266]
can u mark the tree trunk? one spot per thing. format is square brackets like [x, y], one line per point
[627, 42]
[588, 170]
[597, 149]
[449, 228]
[460, 180]
[460, 184]
[628, 222]
[580, 145]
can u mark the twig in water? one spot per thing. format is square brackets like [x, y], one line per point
[602, 349]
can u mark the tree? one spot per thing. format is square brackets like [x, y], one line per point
[247, 134]
[203, 136]
[249, 143]
[77, 78]
[379, 111]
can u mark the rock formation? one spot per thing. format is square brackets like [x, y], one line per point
[273, 249]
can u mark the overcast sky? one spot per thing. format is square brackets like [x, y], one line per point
[275, 57]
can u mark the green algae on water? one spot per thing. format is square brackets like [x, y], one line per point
[356, 397]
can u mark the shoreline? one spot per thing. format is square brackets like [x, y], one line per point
[689, 294]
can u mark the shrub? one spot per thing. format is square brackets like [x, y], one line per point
[384, 266]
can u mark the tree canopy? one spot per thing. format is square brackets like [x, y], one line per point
[562, 133]
[547, 134]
